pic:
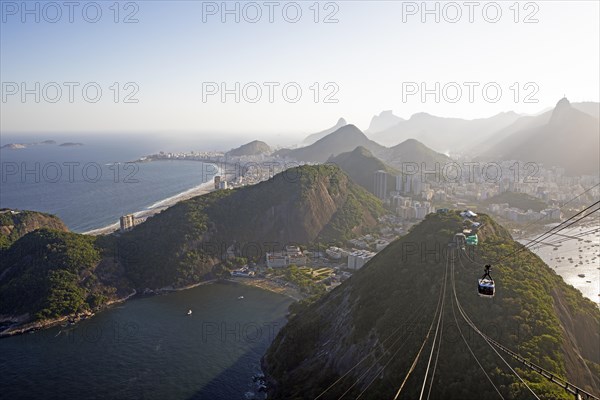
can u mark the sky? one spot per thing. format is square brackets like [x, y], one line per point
[189, 66]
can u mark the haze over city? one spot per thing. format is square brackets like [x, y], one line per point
[367, 50]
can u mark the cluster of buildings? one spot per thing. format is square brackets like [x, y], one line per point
[369, 242]
[409, 209]
[337, 253]
[355, 258]
[414, 196]
[362, 250]
[192, 156]
[404, 184]
[292, 255]
[233, 171]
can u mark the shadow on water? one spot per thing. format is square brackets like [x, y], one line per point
[225, 386]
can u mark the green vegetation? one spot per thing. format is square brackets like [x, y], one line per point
[361, 165]
[49, 273]
[166, 249]
[522, 201]
[533, 313]
[255, 147]
[45, 270]
[303, 278]
[182, 244]
[15, 225]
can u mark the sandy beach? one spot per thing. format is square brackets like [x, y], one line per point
[161, 205]
[155, 208]
[271, 286]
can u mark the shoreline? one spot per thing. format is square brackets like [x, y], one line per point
[45, 324]
[144, 214]
[159, 206]
[268, 285]
[260, 283]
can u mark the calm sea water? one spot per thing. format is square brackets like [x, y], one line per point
[91, 186]
[570, 258]
[149, 348]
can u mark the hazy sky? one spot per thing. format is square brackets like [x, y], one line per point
[374, 58]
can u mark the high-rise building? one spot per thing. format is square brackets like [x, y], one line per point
[358, 258]
[399, 179]
[217, 181]
[127, 222]
[417, 185]
[380, 186]
[407, 183]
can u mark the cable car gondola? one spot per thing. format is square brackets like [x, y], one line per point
[486, 287]
[472, 240]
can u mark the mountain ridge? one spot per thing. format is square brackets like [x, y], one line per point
[69, 274]
[565, 137]
[342, 140]
[533, 311]
[310, 139]
[360, 165]
[253, 148]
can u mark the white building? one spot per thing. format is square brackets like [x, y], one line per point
[291, 256]
[243, 272]
[357, 259]
[127, 222]
[336, 253]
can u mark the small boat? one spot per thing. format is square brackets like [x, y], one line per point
[240, 298]
[581, 275]
[189, 312]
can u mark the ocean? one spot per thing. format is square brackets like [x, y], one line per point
[575, 252]
[92, 185]
[149, 348]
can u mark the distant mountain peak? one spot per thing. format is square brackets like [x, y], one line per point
[564, 102]
[342, 140]
[253, 148]
[420, 115]
[310, 139]
[361, 149]
[385, 120]
[563, 107]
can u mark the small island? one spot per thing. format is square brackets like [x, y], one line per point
[13, 146]
[70, 144]
[18, 146]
